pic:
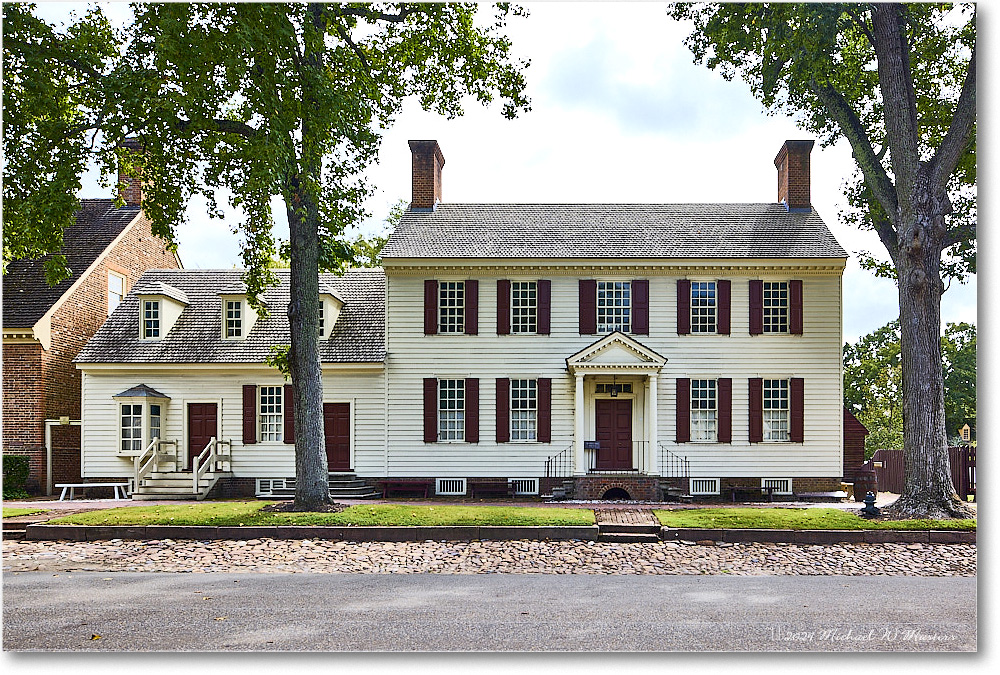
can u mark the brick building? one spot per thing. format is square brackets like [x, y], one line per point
[45, 327]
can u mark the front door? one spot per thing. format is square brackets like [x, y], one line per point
[614, 432]
[203, 424]
[337, 427]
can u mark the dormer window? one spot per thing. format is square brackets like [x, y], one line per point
[234, 319]
[329, 311]
[238, 317]
[150, 319]
[322, 326]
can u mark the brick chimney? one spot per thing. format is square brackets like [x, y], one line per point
[427, 163]
[793, 175]
[131, 191]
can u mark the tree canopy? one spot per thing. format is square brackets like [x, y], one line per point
[898, 82]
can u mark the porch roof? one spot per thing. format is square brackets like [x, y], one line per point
[616, 352]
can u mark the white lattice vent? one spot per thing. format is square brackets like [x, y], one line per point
[525, 486]
[450, 486]
[269, 487]
[782, 486]
[704, 486]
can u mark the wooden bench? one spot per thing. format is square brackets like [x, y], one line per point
[752, 492]
[117, 488]
[390, 486]
[482, 488]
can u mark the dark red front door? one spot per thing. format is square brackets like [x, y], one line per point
[203, 424]
[337, 426]
[614, 431]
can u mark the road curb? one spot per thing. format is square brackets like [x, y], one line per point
[43, 532]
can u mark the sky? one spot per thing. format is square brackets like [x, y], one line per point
[620, 114]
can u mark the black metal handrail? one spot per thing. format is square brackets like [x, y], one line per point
[561, 464]
[673, 466]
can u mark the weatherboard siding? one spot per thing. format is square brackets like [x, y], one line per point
[814, 356]
[364, 390]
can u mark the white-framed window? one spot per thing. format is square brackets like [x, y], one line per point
[131, 428]
[614, 306]
[155, 415]
[234, 318]
[524, 410]
[775, 410]
[451, 307]
[150, 319]
[270, 415]
[320, 320]
[116, 291]
[451, 410]
[523, 307]
[703, 307]
[613, 388]
[775, 306]
[704, 411]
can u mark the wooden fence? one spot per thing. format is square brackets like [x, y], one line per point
[891, 473]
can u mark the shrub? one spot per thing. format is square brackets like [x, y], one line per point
[15, 476]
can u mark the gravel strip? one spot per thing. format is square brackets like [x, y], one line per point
[486, 557]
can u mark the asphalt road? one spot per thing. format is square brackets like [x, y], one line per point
[430, 612]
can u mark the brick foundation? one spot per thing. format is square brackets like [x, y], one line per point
[641, 488]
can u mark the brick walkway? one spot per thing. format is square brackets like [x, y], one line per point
[625, 517]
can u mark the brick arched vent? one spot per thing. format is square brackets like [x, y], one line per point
[616, 493]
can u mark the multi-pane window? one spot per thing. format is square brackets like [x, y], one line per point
[151, 318]
[704, 409]
[154, 421]
[775, 410]
[451, 410]
[271, 421]
[451, 307]
[322, 325]
[234, 318]
[131, 428]
[613, 389]
[614, 306]
[116, 291]
[523, 307]
[523, 410]
[775, 306]
[703, 307]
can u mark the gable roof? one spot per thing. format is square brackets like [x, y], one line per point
[615, 351]
[611, 231]
[196, 337]
[26, 295]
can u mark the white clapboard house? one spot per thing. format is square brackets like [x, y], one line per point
[608, 349]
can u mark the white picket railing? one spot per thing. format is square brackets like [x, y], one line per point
[209, 459]
[149, 461]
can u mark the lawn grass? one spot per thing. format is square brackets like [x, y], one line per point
[248, 514]
[13, 513]
[797, 519]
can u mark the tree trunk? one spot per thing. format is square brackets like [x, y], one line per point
[928, 491]
[312, 479]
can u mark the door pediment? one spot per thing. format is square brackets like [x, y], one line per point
[616, 351]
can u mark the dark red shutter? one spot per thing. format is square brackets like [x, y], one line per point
[503, 307]
[289, 401]
[683, 410]
[640, 307]
[683, 306]
[544, 410]
[756, 411]
[723, 303]
[724, 401]
[471, 410]
[795, 307]
[430, 409]
[796, 428]
[471, 307]
[544, 307]
[588, 306]
[249, 413]
[756, 307]
[430, 307]
[503, 409]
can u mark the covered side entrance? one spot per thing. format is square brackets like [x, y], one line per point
[615, 406]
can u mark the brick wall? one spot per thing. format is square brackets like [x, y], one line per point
[49, 380]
